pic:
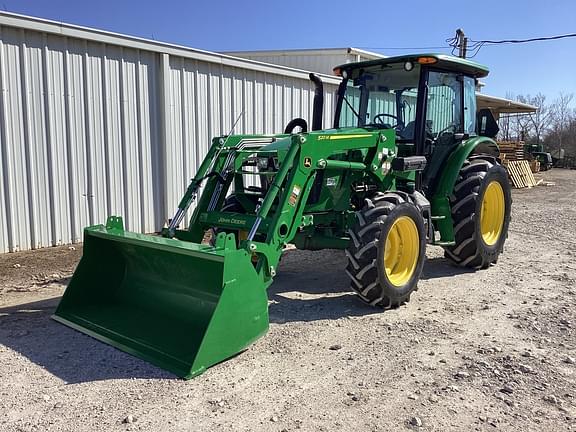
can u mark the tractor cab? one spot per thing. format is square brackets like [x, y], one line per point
[429, 101]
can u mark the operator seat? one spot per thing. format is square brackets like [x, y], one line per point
[408, 132]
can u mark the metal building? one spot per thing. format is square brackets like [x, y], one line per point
[95, 124]
[316, 60]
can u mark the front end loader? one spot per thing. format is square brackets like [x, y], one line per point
[407, 163]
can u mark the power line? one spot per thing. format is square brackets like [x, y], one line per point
[515, 41]
[472, 47]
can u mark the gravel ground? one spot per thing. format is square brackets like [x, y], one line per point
[488, 350]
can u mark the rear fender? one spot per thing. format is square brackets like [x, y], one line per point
[440, 200]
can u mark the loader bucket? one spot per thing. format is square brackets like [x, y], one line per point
[179, 305]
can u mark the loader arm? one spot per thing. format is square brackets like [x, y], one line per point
[283, 212]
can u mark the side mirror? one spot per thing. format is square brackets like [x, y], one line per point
[486, 123]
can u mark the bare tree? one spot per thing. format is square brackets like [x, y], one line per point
[553, 124]
[504, 124]
[562, 134]
[561, 115]
[541, 119]
[511, 126]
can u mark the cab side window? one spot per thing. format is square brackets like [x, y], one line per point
[469, 106]
[443, 112]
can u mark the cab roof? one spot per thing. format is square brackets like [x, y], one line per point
[443, 61]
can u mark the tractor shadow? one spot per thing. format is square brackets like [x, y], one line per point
[439, 267]
[312, 285]
[67, 354]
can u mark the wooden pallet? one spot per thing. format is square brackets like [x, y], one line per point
[520, 174]
[511, 150]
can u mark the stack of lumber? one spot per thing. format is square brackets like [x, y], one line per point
[511, 150]
[519, 169]
[520, 174]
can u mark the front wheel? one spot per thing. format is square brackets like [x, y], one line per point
[481, 204]
[387, 250]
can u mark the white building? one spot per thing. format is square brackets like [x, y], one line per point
[95, 124]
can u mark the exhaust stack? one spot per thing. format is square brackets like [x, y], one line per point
[318, 102]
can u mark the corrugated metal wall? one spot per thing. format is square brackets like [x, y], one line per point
[94, 124]
[321, 61]
[317, 63]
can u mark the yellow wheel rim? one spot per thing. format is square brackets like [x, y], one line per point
[492, 213]
[401, 251]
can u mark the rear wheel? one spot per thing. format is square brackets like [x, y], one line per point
[387, 250]
[481, 204]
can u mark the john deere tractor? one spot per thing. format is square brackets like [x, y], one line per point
[406, 163]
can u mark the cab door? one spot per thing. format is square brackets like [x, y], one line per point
[450, 118]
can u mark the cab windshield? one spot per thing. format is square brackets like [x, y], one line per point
[381, 96]
[385, 97]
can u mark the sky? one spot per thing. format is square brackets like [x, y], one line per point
[547, 67]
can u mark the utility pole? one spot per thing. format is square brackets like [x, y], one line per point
[462, 43]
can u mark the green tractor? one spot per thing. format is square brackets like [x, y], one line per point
[545, 160]
[403, 166]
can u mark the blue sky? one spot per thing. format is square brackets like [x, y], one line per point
[547, 67]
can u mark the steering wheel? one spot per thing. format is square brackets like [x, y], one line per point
[293, 124]
[379, 118]
[446, 129]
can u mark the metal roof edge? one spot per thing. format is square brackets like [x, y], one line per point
[508, 102]
[305, 51]
[297, 51]
[365, 53]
